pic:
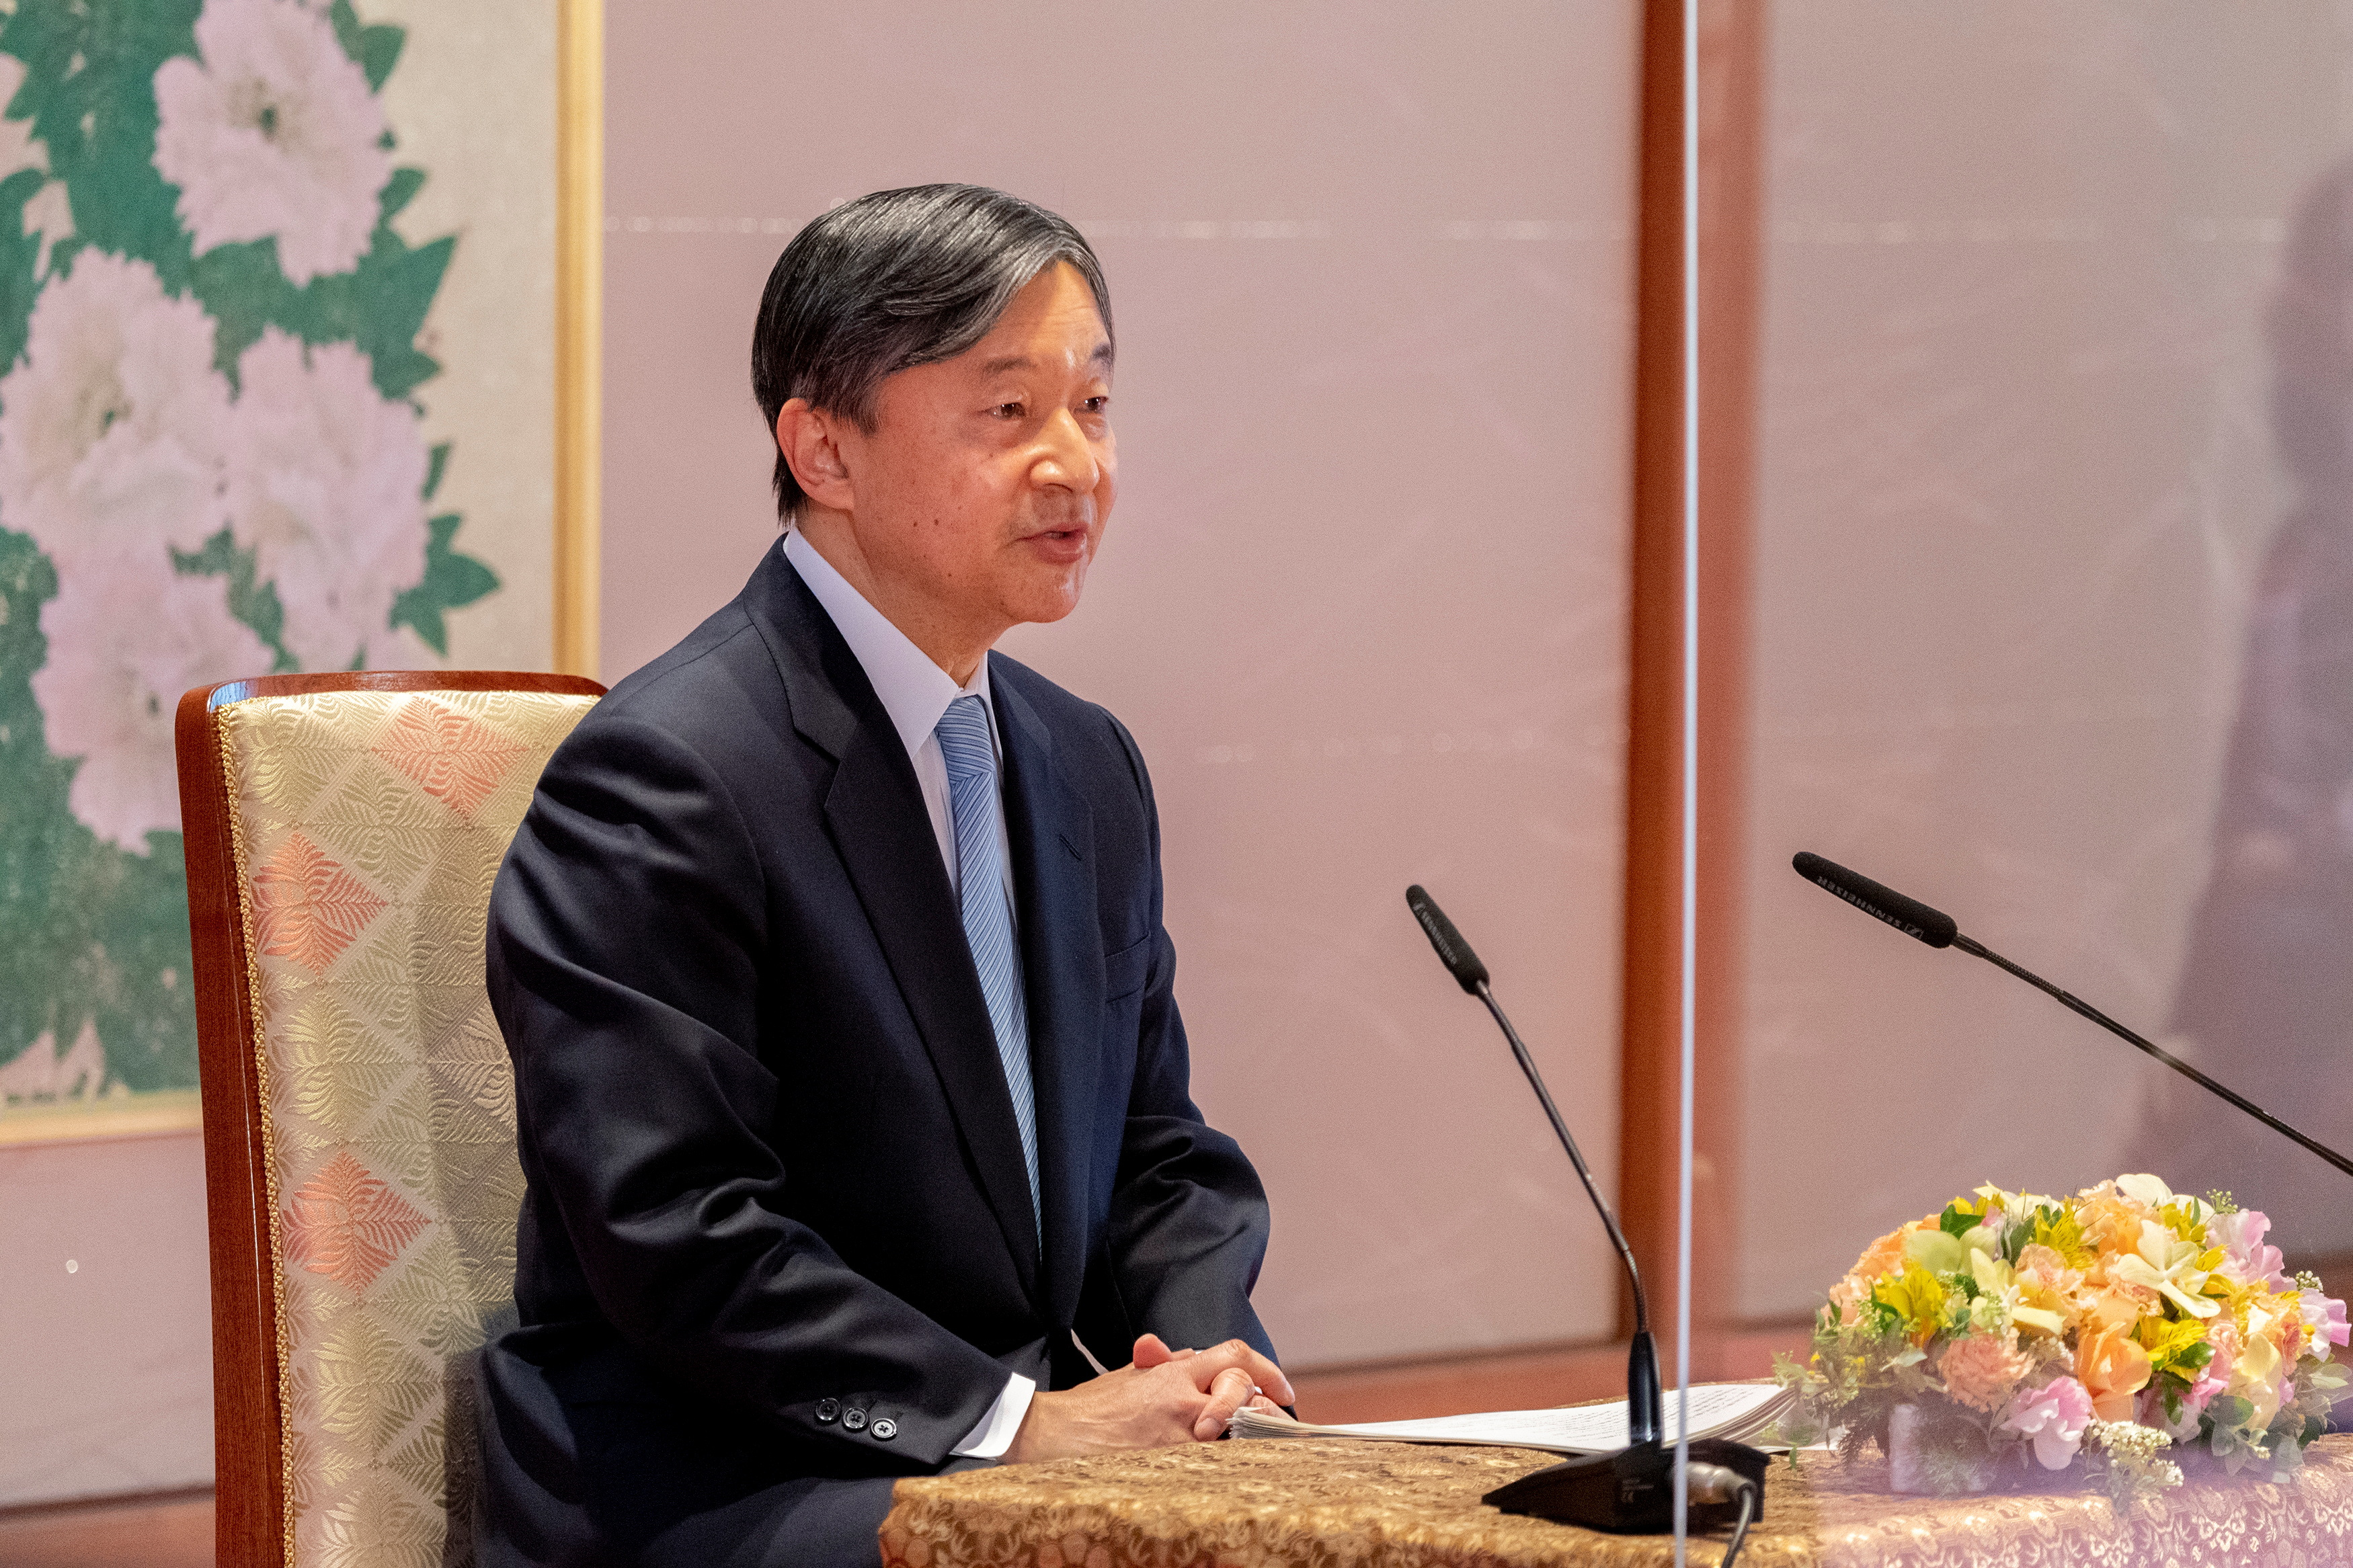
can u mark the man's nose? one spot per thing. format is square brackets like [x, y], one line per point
[1066, 458]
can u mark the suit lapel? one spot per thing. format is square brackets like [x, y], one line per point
[1062, 962]
[875, 815]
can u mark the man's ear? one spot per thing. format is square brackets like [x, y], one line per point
[808, 437]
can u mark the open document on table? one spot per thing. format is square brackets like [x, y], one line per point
[1737, 1411]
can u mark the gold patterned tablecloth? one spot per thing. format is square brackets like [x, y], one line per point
[1397, 1505]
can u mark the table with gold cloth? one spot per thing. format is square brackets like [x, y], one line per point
[1397, 1505]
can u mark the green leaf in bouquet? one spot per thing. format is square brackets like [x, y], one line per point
[2228, 1435]
[2229, 1411]
[1959, 1220]
[2284, 1442]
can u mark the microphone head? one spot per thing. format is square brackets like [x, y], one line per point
[1452, 950]
[1909, 916]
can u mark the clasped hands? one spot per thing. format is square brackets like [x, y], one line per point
[1164, 1397]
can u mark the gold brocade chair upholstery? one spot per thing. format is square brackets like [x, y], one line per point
[342, 832]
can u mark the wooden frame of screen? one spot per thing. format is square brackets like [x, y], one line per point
[579, 330]
[248, 1427]
[1731, 50]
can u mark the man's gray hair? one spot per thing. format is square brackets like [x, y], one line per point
[894, 280]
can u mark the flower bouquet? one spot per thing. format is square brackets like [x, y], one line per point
[2096, 1331]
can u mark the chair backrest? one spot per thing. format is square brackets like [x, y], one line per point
[342, 832]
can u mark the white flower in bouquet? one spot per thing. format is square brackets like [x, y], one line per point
[273, 132]
[326, 486]
[111, 424]
[127, 635]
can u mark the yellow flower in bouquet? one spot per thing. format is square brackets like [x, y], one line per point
[1916, 1298]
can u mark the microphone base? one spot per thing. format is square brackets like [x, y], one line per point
[1632, 1491]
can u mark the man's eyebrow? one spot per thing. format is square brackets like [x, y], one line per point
[998, 366]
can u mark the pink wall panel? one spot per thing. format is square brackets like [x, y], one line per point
[1362, 600]
[2019, 482]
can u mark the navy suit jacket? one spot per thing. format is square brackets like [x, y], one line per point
[773, 1172]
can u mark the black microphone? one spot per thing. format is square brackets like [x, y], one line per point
[1631, 1490]
[1937, 930]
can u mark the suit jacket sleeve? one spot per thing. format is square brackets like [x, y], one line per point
[1189, 1215]
[626, 932]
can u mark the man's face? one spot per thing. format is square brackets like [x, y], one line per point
[987, 478]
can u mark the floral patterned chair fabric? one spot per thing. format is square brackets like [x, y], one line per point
[342, 832]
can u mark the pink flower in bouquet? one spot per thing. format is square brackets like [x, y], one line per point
[1983, 1370]
[2047, 1268]
[2215, 1375]
[2324, 1318]
[2054, 1418]
[2247, 1257]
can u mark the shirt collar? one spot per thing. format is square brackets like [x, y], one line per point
[913, 691]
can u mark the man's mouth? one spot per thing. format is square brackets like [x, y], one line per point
[1059, 545]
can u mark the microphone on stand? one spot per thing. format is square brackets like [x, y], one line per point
[1937, 928]
[1631, 1491]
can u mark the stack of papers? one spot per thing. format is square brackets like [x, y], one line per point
[1736, 1411]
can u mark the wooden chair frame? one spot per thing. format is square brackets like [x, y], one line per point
[248, 1413]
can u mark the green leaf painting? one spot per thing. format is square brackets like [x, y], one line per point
[212, 464]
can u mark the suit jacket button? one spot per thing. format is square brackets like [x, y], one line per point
[853, 1418]
[885, 1429]
[826, 1409]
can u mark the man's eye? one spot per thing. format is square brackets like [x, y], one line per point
[1097, 404]
[1009, 411]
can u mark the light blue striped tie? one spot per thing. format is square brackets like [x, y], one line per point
[962, 731]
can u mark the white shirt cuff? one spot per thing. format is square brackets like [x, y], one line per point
[989, 1439]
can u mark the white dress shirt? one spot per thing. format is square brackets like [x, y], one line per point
[915, 692]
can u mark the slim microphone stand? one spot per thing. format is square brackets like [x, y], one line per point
[1936, 929]
[1971, 945]
[1642, 1356]
[1632, 1489]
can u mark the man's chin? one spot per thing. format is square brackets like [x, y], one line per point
[1044, 602]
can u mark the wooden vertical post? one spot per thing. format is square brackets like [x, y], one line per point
[1732, 38]
[579, 330]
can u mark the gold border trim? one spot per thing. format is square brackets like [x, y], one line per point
[233, 801]
[579, 330]
[160, 1113]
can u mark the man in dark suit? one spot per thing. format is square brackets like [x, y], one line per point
[852, 1091]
